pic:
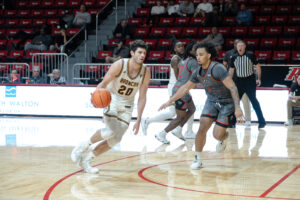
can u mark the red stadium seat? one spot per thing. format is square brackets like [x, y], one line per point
[296, 9]
[271, 2]
[11, 22]
[229, 43]
[203, 32]
[151, 43]
[3, 55]
[10, 13]
[156, 57]
[23, 13]
[102, 55]
[291, 31]
[168, 57]
[38, 22]
[135, 21]
[239, 31]
[254, 9]
[89, 3]
[181, 21]
[189, 32]
[197, 21]
[28, 30]
[22, 3]
[256, 2]
[185, 41]
[229, 21]
[157, 32]
[102, 3]
[3, 44]
[143, 12]
[262, 20]
[15, 55]
[75, 3]
[221, 55]
[54, 21]
[166, 22]
[294, 20]
[295, 57]
[141, 33]
[267, 10]
[263, 56]
[283, 9]
[12, 32]
[281, 57]
[164, 44]
[176, 31]
[226, 31]
[286, 43]
[268, 43]
[21, 68]
[37, 13]
[273, 31]
[50, 13]
[48, 3]
[281, 20]
[3, 68]
[25, 22]
[252, 43]
[256, 31]
[72, 31]
[61, 3]
[29, 53]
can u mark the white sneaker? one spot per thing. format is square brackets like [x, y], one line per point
[248, 123]
[289, 123]
[189, 135]
[162, 138]
[87, 167]
[77, 152]
[178, 133]
[197, 164]
[221, 146]
[144, 124]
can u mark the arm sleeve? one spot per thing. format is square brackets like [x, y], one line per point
[219, 72]
[293, 87]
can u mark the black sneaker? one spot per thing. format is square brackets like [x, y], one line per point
[262, 125]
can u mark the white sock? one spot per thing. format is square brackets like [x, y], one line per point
[198, 155]
[90, 155]
[190, 124]
[163, 133]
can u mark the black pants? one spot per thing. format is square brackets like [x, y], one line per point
[248, 85]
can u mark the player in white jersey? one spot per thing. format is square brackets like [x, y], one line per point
[124, 78]
[178, 50]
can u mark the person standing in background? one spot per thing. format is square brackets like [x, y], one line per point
[294, 100]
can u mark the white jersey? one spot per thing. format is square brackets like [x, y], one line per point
[172, 80]
[124, 87]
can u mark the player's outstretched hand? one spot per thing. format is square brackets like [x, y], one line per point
[239, 115]
[164, 106]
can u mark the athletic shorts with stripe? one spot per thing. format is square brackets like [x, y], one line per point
[182, 103]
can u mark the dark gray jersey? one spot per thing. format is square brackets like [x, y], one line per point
[211, 79]
[186, 68]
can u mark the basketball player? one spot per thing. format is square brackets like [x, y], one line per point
[222, 99]
[178, 51]
[123, 79]
[184, 106]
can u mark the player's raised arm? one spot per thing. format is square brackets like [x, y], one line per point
[112, 73]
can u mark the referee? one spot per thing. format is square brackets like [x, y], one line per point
[243, 62]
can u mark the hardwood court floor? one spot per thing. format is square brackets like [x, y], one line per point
[35, 164]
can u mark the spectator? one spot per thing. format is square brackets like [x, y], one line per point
[231, 8]
[243, 62]
[244, 16]
[220, 6]
[203, 8]
[215, 18]
[122, 30]
[186, 8]
[120, 51]
[59, 41]
[56, 79]
[36, 77]
[172, 8]
[159, 9]
[14, 77]
[294, 100]
[82, 17]
[40, 42]
[66, 20]
[215, 37]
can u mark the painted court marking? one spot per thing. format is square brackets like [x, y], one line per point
[140, 173]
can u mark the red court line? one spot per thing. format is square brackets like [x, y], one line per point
[141, 175]
[279, 182]
[50, 190]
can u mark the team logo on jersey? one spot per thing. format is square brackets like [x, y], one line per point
[293, 74]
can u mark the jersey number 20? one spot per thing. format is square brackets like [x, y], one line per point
[124, 90]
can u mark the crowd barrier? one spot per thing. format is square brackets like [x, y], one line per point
[23, 70]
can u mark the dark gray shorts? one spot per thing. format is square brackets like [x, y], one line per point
[182, 103]
[221, 112]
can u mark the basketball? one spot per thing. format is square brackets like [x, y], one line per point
[101, 98]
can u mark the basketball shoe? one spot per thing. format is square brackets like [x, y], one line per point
[248, 123]
[144, 124]
[76, 154]
[197, 164]
[86, 164]
[289, 122]
[178, 132]
[221, 146]
[161, 136]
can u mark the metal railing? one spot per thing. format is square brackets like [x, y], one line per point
[73, 43]
[23, 72]
[92, 73]
[49, 61]
[97, 19]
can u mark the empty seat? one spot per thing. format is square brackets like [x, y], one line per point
[189, 32]
[268, 43]
[3, 55]
[143, 12]
[166, 22]
[15, 55]
[273, 31]
[263, 56]
[286, 43]
[278, 19]
[252, 43]
[262, 20]
[176, 31]
[157, 32]
[156, 56]
[197, 21]
[283, 9]
[267, 9]
[281, 57]
[291, 31]
[239, 31]
[294, 20]
[203, 32]
[102, 55]
[141, 33]
[151, 43]
[295, 58]
[164, 44]
[256, 31]
[181, 21]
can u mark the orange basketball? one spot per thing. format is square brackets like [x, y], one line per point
[101, 98]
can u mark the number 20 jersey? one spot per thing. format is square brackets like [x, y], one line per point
[124, 87]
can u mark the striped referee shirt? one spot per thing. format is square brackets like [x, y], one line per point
[243, 64]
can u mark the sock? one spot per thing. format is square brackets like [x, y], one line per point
[161, 117]
[198, 155]
[90, 155]
[163, 133]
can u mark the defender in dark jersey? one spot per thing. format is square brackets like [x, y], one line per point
[184, 106]
[222, 99]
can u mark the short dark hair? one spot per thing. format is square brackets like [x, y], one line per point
[209, 48]
[138, 44]
[187, 51]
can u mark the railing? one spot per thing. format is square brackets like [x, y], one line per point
[93, 73]
[97, 19]
[49, 61]
[23, 72]
[73, 43]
